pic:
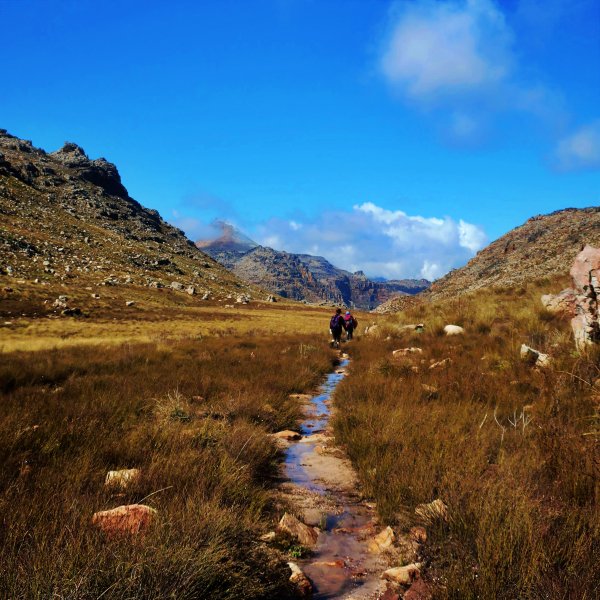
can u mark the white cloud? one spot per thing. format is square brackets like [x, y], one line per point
[443, 48]
[381, 242]
[581, 149]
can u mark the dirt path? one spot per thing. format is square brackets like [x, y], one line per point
[322, 486]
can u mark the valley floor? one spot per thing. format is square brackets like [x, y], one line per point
[190, 396]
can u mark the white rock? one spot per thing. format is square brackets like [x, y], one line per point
[453, 330]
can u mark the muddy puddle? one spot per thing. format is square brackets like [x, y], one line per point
[322, 485]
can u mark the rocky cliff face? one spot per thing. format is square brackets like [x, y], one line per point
[302, 276]
[544, 246]
[67, 219]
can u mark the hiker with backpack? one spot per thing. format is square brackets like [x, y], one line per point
[336, 325]
[350, 324]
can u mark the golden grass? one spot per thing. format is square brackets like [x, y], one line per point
[512, 450]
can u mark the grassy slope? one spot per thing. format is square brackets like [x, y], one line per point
[68, 415]
[524, 505]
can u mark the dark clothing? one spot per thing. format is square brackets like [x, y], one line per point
[349, 326]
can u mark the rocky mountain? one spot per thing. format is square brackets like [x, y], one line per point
[544, 246]
[302, 276]
[67, 220]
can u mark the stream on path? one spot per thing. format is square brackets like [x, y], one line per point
[322, 484]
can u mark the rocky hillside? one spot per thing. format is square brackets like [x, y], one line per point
[544, 246]
[68, 221]
[302, 276]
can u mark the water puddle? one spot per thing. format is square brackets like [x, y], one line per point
[323, 485]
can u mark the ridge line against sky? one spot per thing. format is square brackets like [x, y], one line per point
[396, 138]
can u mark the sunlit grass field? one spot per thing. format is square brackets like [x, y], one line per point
[511, 449]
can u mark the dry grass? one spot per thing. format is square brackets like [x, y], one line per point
[193, 415]
[512, 450]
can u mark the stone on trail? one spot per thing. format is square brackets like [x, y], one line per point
[453, 330]
[287, 434]
[433, 511]
[382, 541]
[300, 580]
[127, 519]
[534, 357]
[307, 536]
[121, 479]
[403, 575]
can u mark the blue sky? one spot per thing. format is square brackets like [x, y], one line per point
[395, 137]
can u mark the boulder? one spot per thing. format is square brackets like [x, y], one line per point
[191, 290]
[404, 575]
[433, 511]
[585, 273]
[121, 479]
[453, 330]
[129, 303]
[563, 303]
[128, 519]
[300, 580]
[534, 357]
[382, 541]
[175, 285]
[307, 536]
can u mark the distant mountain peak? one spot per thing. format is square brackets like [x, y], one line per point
[230, 236]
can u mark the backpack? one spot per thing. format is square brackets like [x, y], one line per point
[335, 322]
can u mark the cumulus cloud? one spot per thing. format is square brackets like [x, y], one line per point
[437, 49]
[581, 149]
[456, 61]
[381, 242]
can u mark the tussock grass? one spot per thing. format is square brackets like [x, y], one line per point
[193, 415]
[513, 451]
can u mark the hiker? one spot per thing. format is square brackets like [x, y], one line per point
[350, 324]
[336, 325]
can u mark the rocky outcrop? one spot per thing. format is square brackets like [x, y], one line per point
[586, 281]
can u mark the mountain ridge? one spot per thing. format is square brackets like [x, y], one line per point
[302, 277]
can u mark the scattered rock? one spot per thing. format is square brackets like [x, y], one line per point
[307, 536]
[300, 580]
[534, 357]
[407, 351]
[433, 511]
[431, 392]
[127, 519]
[95, 296]
[175, 285]
[403, 575]
[268, 537]
[382, 541]
[243, 299]
[191, 290]
[453, 330]
[122, 479]
[271, 298]
[129, 303]
[441, 364]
